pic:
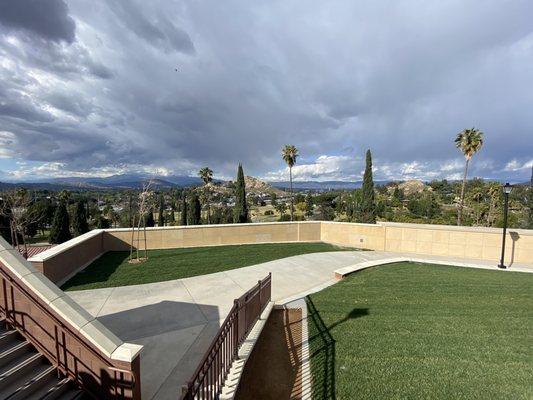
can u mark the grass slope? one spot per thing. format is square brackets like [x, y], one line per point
[113, 269]
[412, 331]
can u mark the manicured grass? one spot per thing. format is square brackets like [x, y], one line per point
[414, 331]
[113, 269]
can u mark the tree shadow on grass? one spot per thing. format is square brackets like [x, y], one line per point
[98, 271]
[322, 350]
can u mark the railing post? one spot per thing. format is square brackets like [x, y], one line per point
[260, 283]
[236, 336]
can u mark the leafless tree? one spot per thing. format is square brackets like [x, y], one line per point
[144, 206]
[16, 205]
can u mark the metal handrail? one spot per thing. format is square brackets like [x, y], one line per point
[206, 382]
[54, 359]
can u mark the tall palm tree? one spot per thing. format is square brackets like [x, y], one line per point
[207, 176]
[469, 142]
[289, 154]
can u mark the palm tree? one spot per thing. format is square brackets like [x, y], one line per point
[289, 154]
[469, 142]
[207, 176]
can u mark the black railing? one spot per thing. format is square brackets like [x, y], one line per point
[208, 379]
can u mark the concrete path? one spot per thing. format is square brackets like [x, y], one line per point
[176, 320]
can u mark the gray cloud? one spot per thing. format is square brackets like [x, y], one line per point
[159, 32]
[48, 19]
[334, 79]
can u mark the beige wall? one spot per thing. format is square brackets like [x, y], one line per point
[61, 262]
[214, 235]
[462, 242]
[365, 236]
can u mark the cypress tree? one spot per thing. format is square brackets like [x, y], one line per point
[309, 204]
[171, 217]
[161, 214]
[149, 219]
[183, 219]
[240, 211]
[530, 202]
[368, 205]
[194, 213]
[79, 224]
[102, 222]
[59, 231]
[5, 227]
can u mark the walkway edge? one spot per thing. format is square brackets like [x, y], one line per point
[343, 272]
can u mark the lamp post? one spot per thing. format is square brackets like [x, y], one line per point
[506, 191]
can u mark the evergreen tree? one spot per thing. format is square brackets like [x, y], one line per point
[161, 214]
[368, 206]
[79, 223]
[274, 199]
[130, 211]
[194, 212]
[309, 204]
[183, 219]
[530, 202]
[102, 222]
[171, 217]
[149, 219]
[240, 212]
[5, 227]
[60, 232]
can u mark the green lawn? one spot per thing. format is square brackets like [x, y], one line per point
[414, 331]
[113, 269]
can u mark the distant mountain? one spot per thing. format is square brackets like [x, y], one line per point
[124, 181]
[322, 185]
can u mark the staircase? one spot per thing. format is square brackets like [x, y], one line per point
[25, 374]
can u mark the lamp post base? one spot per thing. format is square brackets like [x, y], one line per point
[501, 266]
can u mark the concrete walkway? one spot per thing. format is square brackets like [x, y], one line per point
[176, 320]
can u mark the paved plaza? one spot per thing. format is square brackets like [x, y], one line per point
[176, 320]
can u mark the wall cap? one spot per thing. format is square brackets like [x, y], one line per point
[62, 305]
[214, 226]
[479, 229]
[60, 248]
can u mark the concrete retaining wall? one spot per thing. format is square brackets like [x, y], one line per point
[460, 242]
[61, 262]
[214, 235]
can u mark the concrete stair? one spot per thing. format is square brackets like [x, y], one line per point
[25, 374]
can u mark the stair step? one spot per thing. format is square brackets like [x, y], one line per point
[38, 380]
[26, 383]
[7, 337]
[21, 373]
[12, 366]
[26, 374]
[75, 394]
[58, 389]
[13, 351]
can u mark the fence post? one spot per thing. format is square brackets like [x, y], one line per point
[260, 283]
[236, 335]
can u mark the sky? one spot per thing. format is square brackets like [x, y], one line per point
[163, 87]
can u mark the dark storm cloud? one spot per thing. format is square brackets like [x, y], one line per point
[48, 19]
[160, 32]
[333, 78]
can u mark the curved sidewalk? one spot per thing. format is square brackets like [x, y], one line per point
[176, 320]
